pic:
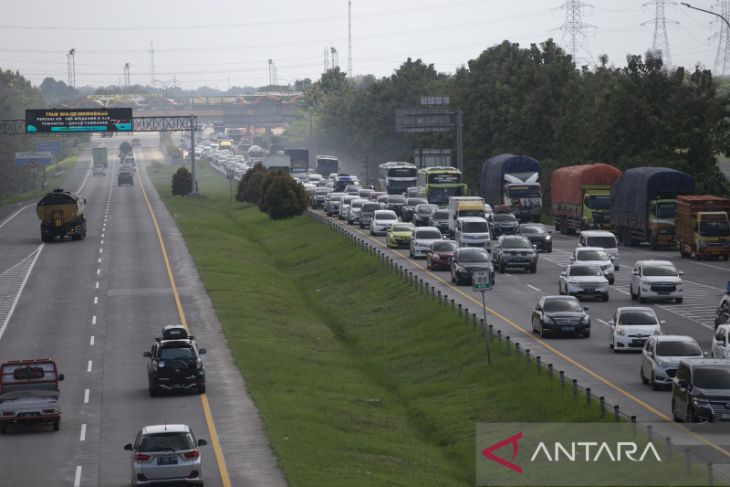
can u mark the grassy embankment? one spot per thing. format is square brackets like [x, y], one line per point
[54, 181]
[359, 379]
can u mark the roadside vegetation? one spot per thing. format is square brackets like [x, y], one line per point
[359, 379]
[55, 173]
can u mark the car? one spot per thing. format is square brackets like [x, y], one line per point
[175, 362]
[584, 280]
[98, 171]
[344, 208]
[395, 202]
[597, 256]
[488, 211]
[472, 231]
[603, 239]
[440, 220]
[332, 203]
[554, 315]
[376, 194]
[353, 215]
[365, 193]
[410, 207]
[125, 177]
[399, 235]
[423, 237]
[539, 235]
[721, 342]
[468, 260]
[503, 224]
[701, 390]
[656, 280]
[353, 189]
[382, 220]
[722, 313]
[440, 254]
[514, 251]
[319, 196]
[422, 214]
[382, 199]
[166, 453]
[631, 327]
[661, 355]
[366, 213]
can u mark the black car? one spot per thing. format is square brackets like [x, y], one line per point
[561, 314]
[125, 177]
[514, 251]
[467, 260]
[701, 391]
[175, 363]
[422, 214]
[539, 235]
[395, 202]
[440, 220]
[503, 224]
[410, 207]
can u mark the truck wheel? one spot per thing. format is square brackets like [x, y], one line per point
[3, 429]
[653, 242]
[56, 424]
[201, 388]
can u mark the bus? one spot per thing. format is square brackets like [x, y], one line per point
[440, 182]
[397, 177]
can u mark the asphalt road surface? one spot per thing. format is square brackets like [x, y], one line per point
[94, 306]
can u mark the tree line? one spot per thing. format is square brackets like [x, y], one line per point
[534, 101]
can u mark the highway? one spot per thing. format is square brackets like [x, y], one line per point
[94, 306]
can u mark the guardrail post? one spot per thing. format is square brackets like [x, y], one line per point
[562, 379]
[588, 396]
[460, 310]
[575, 389]
[602, 403]
[550, 371]
[453, 305]
[507, 344]
[527, 356]
[473, 321]
[439, 296]
[466, 315]
[481, 326]
[616, 413]
[491, 332]
[517, 347]
[499, 335]
[710, 474]
[668, 444]
[633, 426]
[538, 362]
[687, 462]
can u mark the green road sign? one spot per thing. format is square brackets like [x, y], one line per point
[481, 281]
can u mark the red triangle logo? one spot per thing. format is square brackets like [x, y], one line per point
[512, 440]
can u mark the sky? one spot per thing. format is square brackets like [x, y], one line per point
[229, 43]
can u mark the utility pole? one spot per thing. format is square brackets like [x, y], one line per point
[367, 170]
[127, 80]
[722, 59]
[71, 63]
[335, 57]
[574, 38]
[660, 40]
[152, 64]
[349, 38]
[271, 62]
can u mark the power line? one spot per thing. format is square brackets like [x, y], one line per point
[573, 28]
[722, 57]
[660, 39]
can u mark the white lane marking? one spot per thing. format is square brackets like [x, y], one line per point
[98, 261]
[77, 477]
[15, 214]
[603, 322]
[11, 310]
[533, 287]
[508, 275]
[102, 241]
[98, 271]
[101, 250]
[82, 436]
[97, 285]
[91, 341]
[86, 396]
[89, 366]
[83, 183]
[93, 320]
[96, 299]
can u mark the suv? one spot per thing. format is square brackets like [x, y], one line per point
[514, 251]
[601, 238]
[366, 213]
[700, 391]
[656, 279]
[395, 202]
[125, 177]
[175, 362]
[661, 356]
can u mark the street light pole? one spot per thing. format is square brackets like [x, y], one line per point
[707, 12]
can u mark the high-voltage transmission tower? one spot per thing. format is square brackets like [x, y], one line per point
[152, 64]
[660, 40]
[127, 79]
[574, 37]
[349, 38]
[722, 58]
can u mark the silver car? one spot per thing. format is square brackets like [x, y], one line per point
[597, 256]
[661, 357]
[631, 327]
[423, 237]
[166, 454]
[584, 280]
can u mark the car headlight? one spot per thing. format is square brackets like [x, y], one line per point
[644, 287]
[620, 331]
[585, 321]
[435, 257]
[547, 319]
[613, 257]
[700, 402]
[548, 238]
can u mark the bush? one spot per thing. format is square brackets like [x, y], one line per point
[182, 182]
[249, 188]
[283, 197]
[172, 149]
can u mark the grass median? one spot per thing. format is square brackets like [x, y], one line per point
[359, 379]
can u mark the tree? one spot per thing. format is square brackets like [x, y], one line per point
[284, 197]
[182, 182]
[249, 188]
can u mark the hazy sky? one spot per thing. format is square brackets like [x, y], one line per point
[226, 43]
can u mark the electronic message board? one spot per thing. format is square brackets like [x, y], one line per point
[78, 120]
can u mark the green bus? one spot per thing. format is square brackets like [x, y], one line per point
[441, 182]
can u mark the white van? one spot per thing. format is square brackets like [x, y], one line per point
[600, 238]
[472, 231]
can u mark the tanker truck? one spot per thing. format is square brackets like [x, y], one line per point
[61, 213]
[643, 203]
[512, 180]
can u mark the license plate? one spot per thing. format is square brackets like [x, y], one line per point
[172, 460]
[568, 328]
[663, 292]
[590, 290]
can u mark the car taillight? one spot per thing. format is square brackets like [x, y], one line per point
[8, 413]
[49, 411]
[192, 454]
[141, 457]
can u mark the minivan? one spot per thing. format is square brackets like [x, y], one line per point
[472, 231]
[603, 239]
[701, 390]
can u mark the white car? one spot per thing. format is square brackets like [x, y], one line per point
[422, 239]
[596, 256]
[661, 356]
[345, 206]
[631, 327]
[382, 220]
[721, 342]
[603, 239]
[581, 280]
[353, 216]
[472, 231]
[98, 171]
[657, 280]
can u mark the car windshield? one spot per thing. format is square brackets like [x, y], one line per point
[665, 211]
[504, 217]
[678, 349]
[474, 257]
[712, 378]
[606, 242]
[386, 216]
[173, 353]
[557, 305]
[516, 243]
[425, 209]
[716, 228]
[396, 199]
[428, 234]
[598, 202]
[165, 442]
[441, 215]
[445, 246]
[638, 317]
[474, 227]
[592, 255]
[532, 229]
[402, 228]
[416, 201]
[370, 207]
[660, 270]
[585, 270]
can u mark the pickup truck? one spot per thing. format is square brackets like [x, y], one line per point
[29, 393]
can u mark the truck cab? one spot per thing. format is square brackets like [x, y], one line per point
[596, 207]
[661, 222]
[702, 226]
[29, 393]
[525, 200]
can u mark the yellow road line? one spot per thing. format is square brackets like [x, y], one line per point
[557, 352]
[203, 398]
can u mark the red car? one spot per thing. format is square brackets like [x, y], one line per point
[440, 255]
